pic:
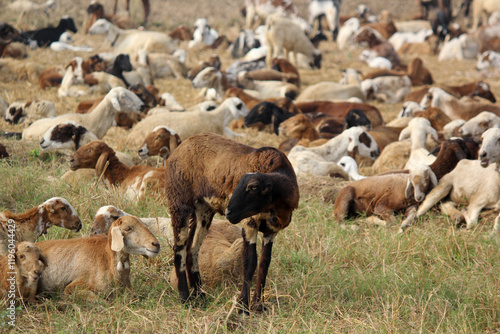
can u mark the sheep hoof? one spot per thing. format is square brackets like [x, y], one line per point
[259, 307]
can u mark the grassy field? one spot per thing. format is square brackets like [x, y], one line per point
[324, 277]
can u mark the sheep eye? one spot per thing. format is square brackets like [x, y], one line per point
[342, 164]
[114, 217]
[63, 208]
[21, 257]
[128, 229]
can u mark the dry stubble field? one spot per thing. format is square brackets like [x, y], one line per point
[323, 278]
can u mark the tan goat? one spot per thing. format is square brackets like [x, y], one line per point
[20, 271]
[134, 179]
[28, 226]
[96, 263]
[161, 141]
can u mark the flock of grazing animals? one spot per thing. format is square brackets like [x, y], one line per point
[328, 125]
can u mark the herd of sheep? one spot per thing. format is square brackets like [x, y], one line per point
[442, 147]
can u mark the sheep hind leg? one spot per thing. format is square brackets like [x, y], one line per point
[203, 216]
[450, 209]
[264, 262]
[249, 234]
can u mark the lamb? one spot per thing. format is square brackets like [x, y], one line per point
[30, 111]
[472, 182]
[215, 121]
[20, 271]
[471, 89]
[136, 180]
[268, 89]
[373, 61]
[69, 268]
[390, 89]
[351, 142]
[453, 107]
[462, 47]
[64, 43]
[44, 37]
[203, 35]
[98, 121]
[284, 35]
[28, 226]
[382, 195]
[417, 72]
[477, 125]
[350, 166]
[132, 40]
[161, 141]
[220, 252]
[259, 188]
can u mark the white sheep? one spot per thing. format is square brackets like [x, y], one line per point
[68, 135]
[472, 182]
[374, 61]
[399, 38]
[389, 89]
[132, 40]
[189, 123]
[488, 59]
[477, 125]
[462, 47]
[347, 33]
[65, 42]
[417, 131]
[284, 35]
[72, 78]
[350, 141]
[19, 112]
[350, 166]
[203, 35]
[98, 121]
[451, 128]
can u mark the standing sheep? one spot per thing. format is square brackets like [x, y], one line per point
[258, 187]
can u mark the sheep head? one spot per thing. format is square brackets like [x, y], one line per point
[100, 27]
[124, 100]
[252, 195]
[161, 141]
[29, 260]
[208, 77]
[66, 135]
[60, 213]
[104, 217]
[92, 155]
[489, 152]
[362, 143]
[129, 235]
[420, 181]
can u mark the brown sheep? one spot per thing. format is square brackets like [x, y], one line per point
[182, 33]
[29, 225]
[471, 89]
[161, 141]
[96, 263]
[258, 186]
[417, 72]
[20, 271]
[102, 158]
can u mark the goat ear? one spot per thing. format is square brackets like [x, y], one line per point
[43, 260]
[117, 243]
[433, 133]
[433, 177]
[101, 163]
[352, 145]
[116, 103]
[409, 189]
[405, 133]
[174, 141]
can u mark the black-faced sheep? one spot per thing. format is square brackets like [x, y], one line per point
[258, 187]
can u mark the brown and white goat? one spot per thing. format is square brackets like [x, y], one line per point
[161, 141]
[20, 271]
[258, 187]
[69, 268]
[136, 180]
[29, 225]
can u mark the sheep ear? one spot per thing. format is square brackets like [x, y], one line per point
[174, 139]
[405, 133]
[433, 133]
[101, 163]
[352, 145]
[116, 103]
[43, 260]
[409, 189]
[267, 189]
[116, 239]
[434, 180]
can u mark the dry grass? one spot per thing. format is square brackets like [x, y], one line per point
[323, 278]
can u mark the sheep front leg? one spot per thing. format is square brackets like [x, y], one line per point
[180, 228]
[264, 262]
[204, 218]
[471, 215]
[249, 234]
